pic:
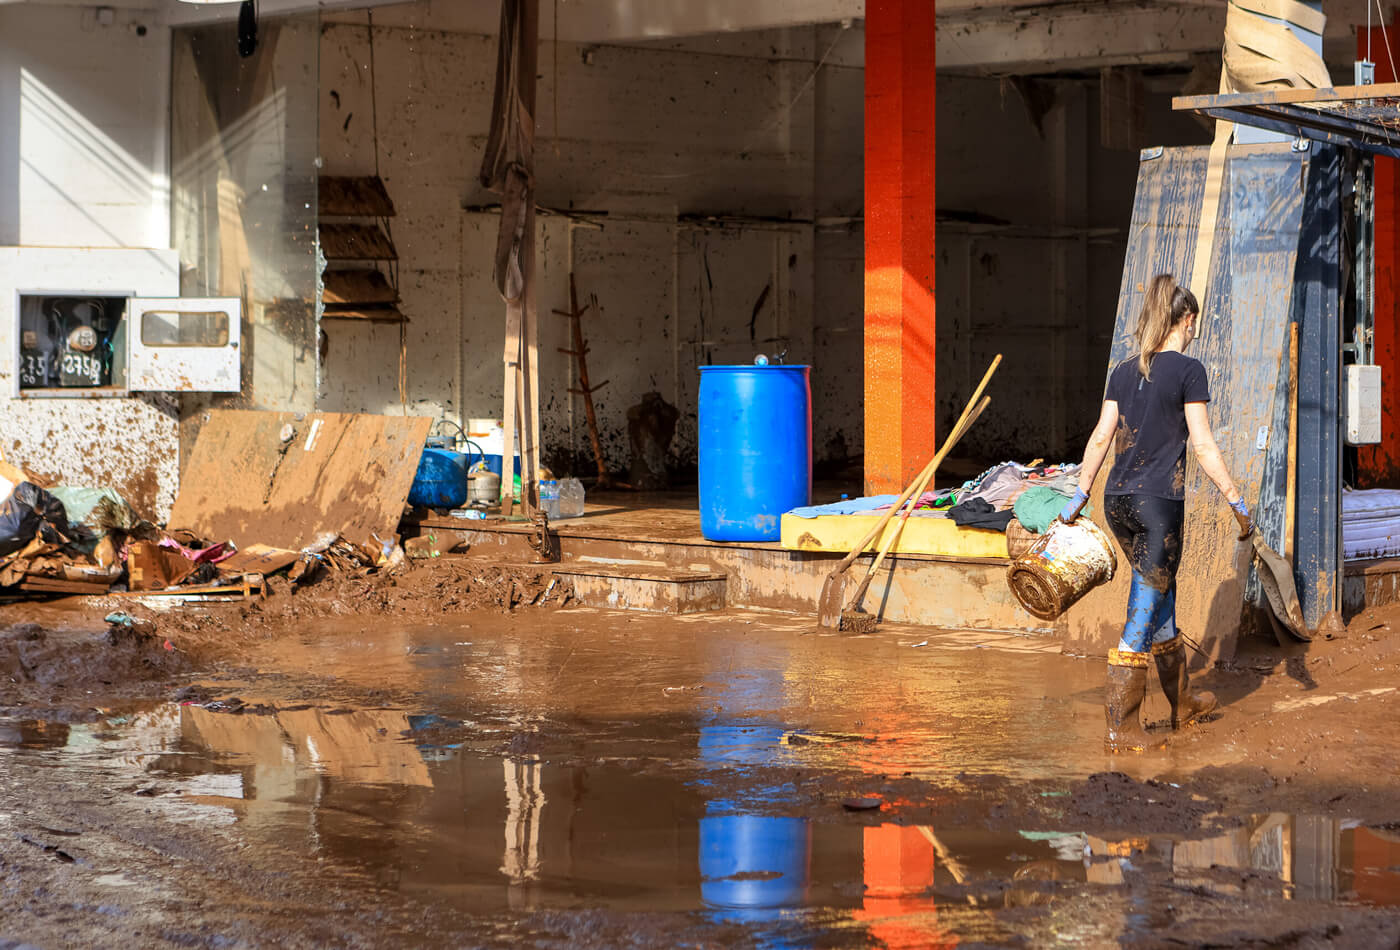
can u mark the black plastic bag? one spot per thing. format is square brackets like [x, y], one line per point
[30, 511]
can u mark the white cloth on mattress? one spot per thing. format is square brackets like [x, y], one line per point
[1370, 524]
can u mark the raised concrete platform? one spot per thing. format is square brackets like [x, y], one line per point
[636, 543]
[1372, 583]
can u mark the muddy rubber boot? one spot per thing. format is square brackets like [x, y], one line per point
[1124, 691]
[1187, 706]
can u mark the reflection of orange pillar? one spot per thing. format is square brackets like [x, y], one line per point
[899, 864]
[1373, 857]
[899, 217]
[1379, 465]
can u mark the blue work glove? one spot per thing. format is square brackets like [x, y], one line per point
[1074, 506]
[1241, 511]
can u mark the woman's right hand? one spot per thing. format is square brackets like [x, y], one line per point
[1074, 506]
[1241, 511]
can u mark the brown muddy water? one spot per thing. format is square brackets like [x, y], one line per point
[732, 781]
[372, 795]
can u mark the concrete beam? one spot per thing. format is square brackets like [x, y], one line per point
[1051, 35]
[582, 21]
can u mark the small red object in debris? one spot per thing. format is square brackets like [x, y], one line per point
[169, 646]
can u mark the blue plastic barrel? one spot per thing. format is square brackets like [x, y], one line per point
[494, 463]
[441, 480]
[753, 862]
[755, 449]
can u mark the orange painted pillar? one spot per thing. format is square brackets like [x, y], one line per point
[1378, 466]
[899, 262]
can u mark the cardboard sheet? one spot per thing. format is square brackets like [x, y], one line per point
[335, 474]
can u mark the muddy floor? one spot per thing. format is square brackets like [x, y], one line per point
[371, 765]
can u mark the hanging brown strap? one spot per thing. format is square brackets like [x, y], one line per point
[1258, 54]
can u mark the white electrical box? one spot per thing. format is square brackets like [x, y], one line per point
[1362, 404]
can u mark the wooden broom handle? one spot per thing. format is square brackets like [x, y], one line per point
[937, 459]
[859, 549]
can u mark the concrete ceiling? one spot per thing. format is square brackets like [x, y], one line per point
[1000, 37]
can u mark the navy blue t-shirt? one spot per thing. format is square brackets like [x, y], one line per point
[1150, 446]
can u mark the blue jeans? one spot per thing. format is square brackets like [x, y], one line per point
[1149, 531]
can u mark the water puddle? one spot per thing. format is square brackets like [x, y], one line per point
[406, 803]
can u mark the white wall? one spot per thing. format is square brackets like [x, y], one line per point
[655, 136]
[89, 166]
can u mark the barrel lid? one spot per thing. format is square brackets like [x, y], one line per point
[755, 367]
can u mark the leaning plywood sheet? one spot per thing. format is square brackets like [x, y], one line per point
[337, 473]
[1244, 327]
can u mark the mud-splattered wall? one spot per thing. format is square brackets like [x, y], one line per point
[126, 442]
[84, 169]
[1033, 213]
[710, 163]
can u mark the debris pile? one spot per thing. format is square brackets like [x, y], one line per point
[62, 540]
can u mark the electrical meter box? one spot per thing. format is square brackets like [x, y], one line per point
[117, 343]
[1362, 404]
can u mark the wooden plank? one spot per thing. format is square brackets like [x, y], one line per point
[339, 473]
[356, 287]
[365, 314]
[53, 585]
[258, 558]
[1319, 97]
[352, 196]
[355, 242]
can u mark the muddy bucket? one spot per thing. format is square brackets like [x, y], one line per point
[1066, 563]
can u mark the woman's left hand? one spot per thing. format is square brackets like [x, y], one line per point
[1246, 523]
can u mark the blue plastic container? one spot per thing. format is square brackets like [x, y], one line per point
[494, 463]
[441, 480]
[755, 449]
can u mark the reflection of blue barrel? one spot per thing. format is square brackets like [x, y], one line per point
[441, 480]
[752, 862]
[755, 449]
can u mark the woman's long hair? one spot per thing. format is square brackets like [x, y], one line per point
[1166, 305]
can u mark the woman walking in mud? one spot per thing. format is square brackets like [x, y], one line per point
[1154, 401]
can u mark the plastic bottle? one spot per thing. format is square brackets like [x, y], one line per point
[570, 498]
[549, 497]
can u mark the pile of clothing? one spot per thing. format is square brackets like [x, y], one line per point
[1031, 494]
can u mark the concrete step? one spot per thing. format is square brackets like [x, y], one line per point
[955, 593]
[659, 590]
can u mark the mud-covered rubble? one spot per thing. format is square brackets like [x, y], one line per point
[70, 672]
[76, 659]
[414, 589]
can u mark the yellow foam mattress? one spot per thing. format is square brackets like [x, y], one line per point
[921, 535]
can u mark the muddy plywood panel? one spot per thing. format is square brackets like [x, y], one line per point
[338, 473]
[357, 287]
[1244, 329]
[353, 196]
[355, 242]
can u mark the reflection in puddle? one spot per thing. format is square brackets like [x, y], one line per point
[33, 734]
[384, 794]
